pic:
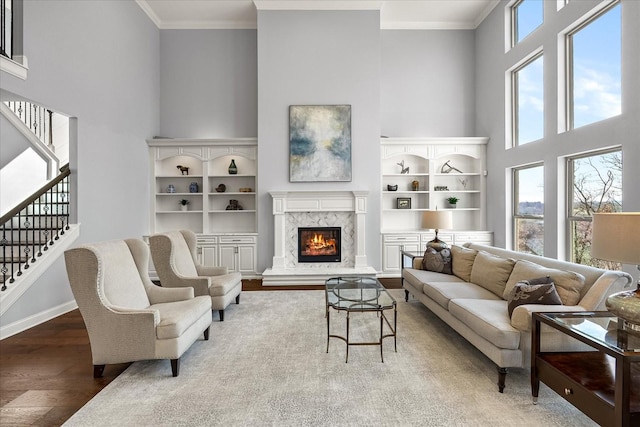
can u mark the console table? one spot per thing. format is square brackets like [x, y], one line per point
[603, 383]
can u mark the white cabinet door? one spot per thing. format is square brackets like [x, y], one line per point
[228, 257]
[393, 245]
[247, 259]
[209, 256]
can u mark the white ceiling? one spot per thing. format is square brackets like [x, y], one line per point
[394, 14]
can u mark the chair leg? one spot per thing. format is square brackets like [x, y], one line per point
[98, 371]
[221, 313]
[175, 367]
[206, 334]
[238, 299]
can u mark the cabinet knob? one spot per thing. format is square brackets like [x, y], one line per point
[568, 391]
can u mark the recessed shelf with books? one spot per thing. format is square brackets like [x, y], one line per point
[427, 172]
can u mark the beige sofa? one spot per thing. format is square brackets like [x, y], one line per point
[473, 300]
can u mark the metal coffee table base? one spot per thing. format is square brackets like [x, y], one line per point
[383, 320]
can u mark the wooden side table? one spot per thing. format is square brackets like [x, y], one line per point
[603, 383]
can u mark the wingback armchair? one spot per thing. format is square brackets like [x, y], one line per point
[174, 256]
[129, 318]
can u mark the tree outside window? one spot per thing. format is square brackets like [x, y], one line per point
[528, 209]
[595, 186]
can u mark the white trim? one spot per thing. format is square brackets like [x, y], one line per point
[22, 325]
[317, 5]
[421, 25]
[487, 10]
[15, 290]
[17, 67]
[208, 25]
[149, 11]
[48, 155]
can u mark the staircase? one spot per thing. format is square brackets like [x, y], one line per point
[35, 233]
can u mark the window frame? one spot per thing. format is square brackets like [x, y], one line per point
[516, 200]
[569, 68]
[515, 119]
[570, 191]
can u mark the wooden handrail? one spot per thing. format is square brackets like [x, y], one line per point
[64, 172]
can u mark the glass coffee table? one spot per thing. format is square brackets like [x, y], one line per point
[360, 294]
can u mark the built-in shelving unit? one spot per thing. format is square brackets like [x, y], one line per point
[226, 235]
[427, 171]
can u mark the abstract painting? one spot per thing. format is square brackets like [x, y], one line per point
[319, 143]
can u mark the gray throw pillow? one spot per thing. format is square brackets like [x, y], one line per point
[438, 261]
[539, 293]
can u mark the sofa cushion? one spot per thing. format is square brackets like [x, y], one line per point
[462, 261]
[224, 283]
[569, 284]
[443, 292]
[526, 292]
[417, 278]
[491, 272]
[487, 318]
[438, 261]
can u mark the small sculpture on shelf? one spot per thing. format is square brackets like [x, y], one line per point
[221, 188]
[234, 206]
[447, 168]
[440, 188]
[403, 170]
[184, 170]
[463, 182]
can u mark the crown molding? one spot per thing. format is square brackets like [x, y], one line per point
[317, 5]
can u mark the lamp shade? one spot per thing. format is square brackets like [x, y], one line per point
[616, 237]
[442, 220]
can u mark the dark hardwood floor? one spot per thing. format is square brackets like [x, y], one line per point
[46, 373]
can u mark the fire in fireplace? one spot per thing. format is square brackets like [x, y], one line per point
[319, 244]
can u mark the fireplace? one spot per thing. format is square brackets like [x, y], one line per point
[319, 244]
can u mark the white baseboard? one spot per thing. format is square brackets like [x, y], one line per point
[23, 324]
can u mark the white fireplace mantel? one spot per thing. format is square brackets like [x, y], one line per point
[285, 202]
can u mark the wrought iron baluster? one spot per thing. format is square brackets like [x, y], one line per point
[26, 249]
[19, 262]
[4, 270]
[40, 226]
[45, 231]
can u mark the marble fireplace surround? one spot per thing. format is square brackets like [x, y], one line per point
[293, 209]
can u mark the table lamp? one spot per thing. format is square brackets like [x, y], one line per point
[616, 237]
[437, 220]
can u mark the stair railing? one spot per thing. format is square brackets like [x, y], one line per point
[38, 119]
[33, 226]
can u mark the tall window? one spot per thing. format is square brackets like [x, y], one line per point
[595, 62]
[595, 186]
[526, 16]
[528, 101]
[528, 209]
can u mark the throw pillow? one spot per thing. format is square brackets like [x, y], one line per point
[438, 261]
[569, 284]
[525, 293]
[491, 272]
[462, 261]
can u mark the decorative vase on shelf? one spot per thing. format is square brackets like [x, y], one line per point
[193, 187]
[171, 188]
[232, 168]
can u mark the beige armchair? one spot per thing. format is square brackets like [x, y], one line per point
[128, 317]
[174, 256]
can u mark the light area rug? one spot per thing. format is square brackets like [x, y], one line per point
[267, 365]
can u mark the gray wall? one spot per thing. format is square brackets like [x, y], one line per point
[97, 61]
[208, 83]
[427, 84]
[314, 58]
[624, 130]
